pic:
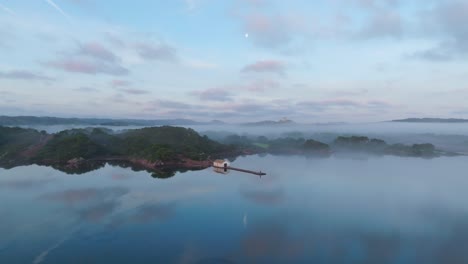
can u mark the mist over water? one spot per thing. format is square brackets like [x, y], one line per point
[360, 209]
[346, 208]
[381, 128]
[451, 137]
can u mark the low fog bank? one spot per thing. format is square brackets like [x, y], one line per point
[445, 136]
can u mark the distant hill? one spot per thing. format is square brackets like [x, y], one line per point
[432, 120]
[283, 121]
[35, 120]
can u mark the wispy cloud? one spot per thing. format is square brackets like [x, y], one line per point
[24, 75]
[448, 19]
[86, 89]
[343, 104]
[8, 10]
[134, 91]
[190, 4]
[120, 83]
[161, 52]
[214, 94]
[90, 58]
[60, 10]
[87, 66]
[268, 66]
[96, 50]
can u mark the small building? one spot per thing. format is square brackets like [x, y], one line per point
[220, 163]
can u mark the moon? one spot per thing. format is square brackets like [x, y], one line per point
[246, 35]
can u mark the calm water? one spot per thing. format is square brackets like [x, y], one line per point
[335, 210]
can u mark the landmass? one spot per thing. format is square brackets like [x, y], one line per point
[341, 144]
[153, 148]
[432, 120]
[164, 149]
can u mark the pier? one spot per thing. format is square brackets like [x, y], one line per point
[259, 173]
[223, 166]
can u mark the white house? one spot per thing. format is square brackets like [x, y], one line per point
[219, 163]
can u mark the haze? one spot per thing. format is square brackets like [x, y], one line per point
[320, 61]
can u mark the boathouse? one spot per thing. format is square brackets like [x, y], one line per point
[219, 163]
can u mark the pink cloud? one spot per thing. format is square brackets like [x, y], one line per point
[134, 91]
[271, 66]
[96, 50]
[24, 75]
[87, 66]
[120, 83]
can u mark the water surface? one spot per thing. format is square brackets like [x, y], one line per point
[336, 210]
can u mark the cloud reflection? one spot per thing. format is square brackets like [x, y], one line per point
[89, 204]
[150, 212]
[265, 197]
[22, 184]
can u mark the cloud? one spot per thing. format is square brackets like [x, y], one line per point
[120, 83]
[86, 89]
[265, 109]
[266, 66]
[96, 50]
[373, 4]
[24, 75]
[8, 10]
[343, 104]
[447, 19]
[199, 64]
[60, 10]
[90, 58]
[190, 4]
[134, 91]
[213, 94]
[262, 85]
[383, 23]
[86, 66]
[169, 104]
[160, 52]
[271, 31]
[256, 2]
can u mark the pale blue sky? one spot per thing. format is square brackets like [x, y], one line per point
[312, 61]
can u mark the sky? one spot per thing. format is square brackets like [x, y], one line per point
[235, 60]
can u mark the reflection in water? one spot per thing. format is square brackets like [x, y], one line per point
[261, 196]
[337, 210]
[24, 184]
[150, 212]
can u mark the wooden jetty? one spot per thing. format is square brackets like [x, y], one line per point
[259, 173]
[223, 166]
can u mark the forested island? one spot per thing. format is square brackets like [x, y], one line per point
[431, 120]
[166, 148]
